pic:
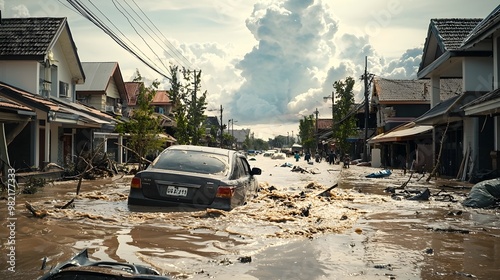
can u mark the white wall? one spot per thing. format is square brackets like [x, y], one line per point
[112, 90]
[64, 73]
[21, 74]
[477, 73]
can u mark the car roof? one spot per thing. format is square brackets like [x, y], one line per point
[205, 149]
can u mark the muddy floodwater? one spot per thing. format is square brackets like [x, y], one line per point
[294, 228]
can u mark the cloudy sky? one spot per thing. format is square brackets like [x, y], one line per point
[267, 62]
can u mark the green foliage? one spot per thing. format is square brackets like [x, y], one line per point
[143, 126]
[259, 144]
[307, 129]
[251, 143]
[279, 141]
[344, 122]
[227, 140]
[188, 105]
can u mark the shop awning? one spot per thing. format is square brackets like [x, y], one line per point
[402, 133]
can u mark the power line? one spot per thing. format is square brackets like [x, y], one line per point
[138, 34]
[170, 46]
[125, 42]
[88, 14]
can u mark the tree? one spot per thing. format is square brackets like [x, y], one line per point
[344, 119]
[143, 126]
[188, 106]
[307, 130]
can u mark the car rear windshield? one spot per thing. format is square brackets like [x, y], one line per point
[192, 161]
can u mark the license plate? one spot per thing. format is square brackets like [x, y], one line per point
[177, 191]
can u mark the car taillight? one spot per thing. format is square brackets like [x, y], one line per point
[225, 192]
[136, 183]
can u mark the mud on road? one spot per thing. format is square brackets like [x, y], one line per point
[294, 228]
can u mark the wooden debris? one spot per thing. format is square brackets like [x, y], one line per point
[36, 213]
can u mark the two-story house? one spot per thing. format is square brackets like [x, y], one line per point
[466, 49]
[39, 70]
[104, 90]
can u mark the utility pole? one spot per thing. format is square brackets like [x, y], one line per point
[367, 81]
[333, 116]
[193, 100]
[221, 127]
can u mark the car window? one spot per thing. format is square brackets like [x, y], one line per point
[246, 166]
[192, 161]
[238, 169]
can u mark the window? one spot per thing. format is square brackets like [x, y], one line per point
[63, 89]
[192, 161]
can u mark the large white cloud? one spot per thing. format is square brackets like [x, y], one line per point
[298, 51]
[294, 47]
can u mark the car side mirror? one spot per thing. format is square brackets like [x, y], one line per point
[256, 171]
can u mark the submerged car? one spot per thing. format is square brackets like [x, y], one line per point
[81, 267]
[195, 176]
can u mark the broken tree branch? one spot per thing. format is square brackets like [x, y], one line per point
[438, 159]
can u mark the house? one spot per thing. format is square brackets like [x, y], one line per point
[104, 88]
[397, 103]
[132, 90]
[14, 117]
[466, 49]
[39, 66]
[163, 110]
[212, 131]
[486, 37]
[239, 136]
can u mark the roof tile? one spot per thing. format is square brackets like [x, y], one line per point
[453, 31]
[28, 36]
[413, 91]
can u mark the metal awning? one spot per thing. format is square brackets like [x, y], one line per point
[402, 133]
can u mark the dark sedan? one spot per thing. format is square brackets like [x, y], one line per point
[185, 175]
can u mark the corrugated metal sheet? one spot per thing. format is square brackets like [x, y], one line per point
[97, 75]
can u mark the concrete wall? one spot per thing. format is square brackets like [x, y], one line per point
[477, 73]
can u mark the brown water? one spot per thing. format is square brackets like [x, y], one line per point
[358, 232]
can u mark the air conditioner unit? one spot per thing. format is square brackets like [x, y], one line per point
[110, 108]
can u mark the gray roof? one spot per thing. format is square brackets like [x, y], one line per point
[97, 75]
[451, 32]
[413, 91]
[448, 110]
[484, 29]
[492, 95]
[28, 38]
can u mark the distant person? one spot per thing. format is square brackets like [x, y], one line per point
[297, 156]
[307, 157]
[330, 157]
[347, 161]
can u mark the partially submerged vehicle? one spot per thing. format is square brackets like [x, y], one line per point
[197, 177]
[81, 267]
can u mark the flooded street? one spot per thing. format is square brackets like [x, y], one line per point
[292, 229]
